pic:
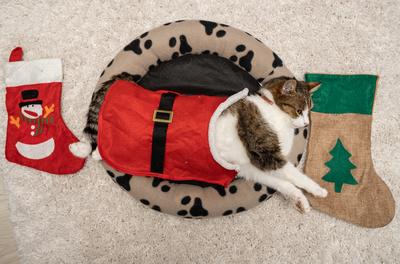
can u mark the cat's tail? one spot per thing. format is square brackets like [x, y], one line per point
[88, 146]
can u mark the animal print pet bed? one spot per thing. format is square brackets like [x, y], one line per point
[219, 59]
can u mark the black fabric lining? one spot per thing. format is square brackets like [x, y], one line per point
[199, 74]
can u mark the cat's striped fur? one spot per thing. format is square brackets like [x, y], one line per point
[97, 100]
[256, 134]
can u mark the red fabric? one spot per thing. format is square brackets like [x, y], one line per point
[25, 134]
[16, 54]
[126, 128]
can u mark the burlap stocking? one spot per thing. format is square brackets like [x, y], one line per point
[339, 151]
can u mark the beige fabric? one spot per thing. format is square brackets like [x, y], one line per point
[263, 65]
[368, 203]
[204, 201]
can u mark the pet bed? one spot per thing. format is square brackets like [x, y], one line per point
[207, 58]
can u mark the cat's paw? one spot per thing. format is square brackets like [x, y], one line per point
[302, 205]
[80, 149]
[320, 192]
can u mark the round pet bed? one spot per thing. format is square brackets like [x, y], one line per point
[198, 57]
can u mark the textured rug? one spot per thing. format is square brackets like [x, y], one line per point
[85, 218]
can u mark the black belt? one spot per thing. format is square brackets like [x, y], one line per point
[161, 117]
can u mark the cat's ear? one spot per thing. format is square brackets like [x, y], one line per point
[313, 86]
[289, 87]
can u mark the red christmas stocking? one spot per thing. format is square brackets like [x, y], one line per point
[37, 136]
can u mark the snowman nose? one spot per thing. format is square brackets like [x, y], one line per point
[31, 113]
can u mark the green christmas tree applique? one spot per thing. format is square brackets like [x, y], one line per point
[340, 167]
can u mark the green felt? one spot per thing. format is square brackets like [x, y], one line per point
[340, 94]
[340, 167]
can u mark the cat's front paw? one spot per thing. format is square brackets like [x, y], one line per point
[302, 205]
[321, 193]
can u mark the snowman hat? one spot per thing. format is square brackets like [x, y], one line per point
[28, 98]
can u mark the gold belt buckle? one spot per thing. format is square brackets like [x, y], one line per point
[160, 120]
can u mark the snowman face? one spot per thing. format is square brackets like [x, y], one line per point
[32, 111]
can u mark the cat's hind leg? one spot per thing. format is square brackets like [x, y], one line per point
[250, 172]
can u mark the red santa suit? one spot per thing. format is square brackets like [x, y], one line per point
[127, 122]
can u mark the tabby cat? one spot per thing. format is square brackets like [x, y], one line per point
[255, 133]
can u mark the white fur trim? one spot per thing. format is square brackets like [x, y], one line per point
[212, 129]
[33, 72]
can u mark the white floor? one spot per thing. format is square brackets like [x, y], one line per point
[8, 247]
[86, 218]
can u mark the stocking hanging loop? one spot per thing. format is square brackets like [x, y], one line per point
[16, 54]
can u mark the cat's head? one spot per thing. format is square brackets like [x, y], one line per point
[292, 97]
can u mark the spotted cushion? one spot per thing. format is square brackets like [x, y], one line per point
[171, 41]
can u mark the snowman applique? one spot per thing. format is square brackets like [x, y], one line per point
[36, 141]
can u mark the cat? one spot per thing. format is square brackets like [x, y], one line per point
[255, 133]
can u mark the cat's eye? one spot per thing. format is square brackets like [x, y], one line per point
[299, 112]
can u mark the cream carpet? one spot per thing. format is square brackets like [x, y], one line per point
[85, 218]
